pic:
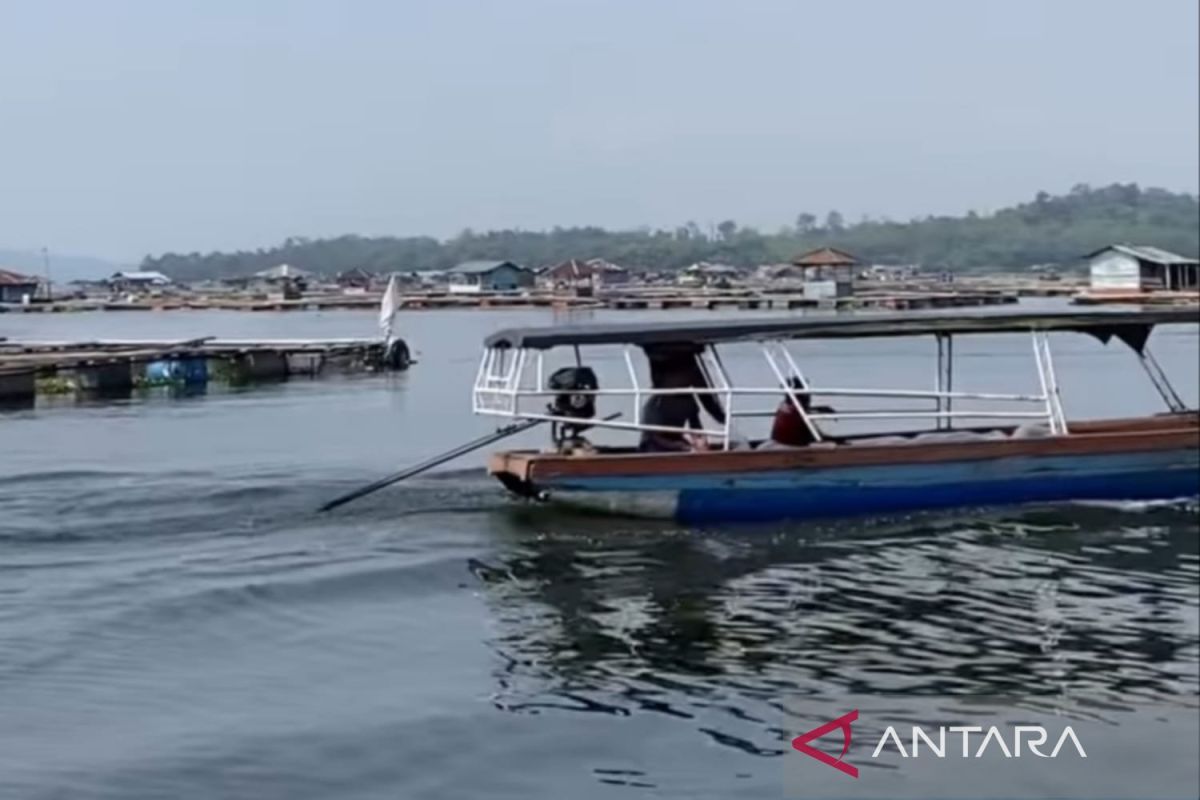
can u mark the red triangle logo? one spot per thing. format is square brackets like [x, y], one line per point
[843, 722]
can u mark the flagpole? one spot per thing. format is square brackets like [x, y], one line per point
[388, 306]
[46, 266]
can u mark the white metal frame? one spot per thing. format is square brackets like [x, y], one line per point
[499, 389]
[944, 380]
[1159, 379]
[1049, 381]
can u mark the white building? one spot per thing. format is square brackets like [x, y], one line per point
[703, 273]
[282, 272]
[1139, 268]
[138, 281]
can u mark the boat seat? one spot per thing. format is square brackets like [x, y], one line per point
[957, 436]
[933, 437]
[1027, 431]
[771, 444]
[1031, 430]
[879, 441]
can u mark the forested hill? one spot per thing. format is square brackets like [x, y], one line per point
[1048, 229]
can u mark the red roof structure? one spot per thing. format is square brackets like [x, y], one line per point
[826, 257]
[10, 278]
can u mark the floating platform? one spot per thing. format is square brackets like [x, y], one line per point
[114, 368]
[635, 298]
[1137, 298]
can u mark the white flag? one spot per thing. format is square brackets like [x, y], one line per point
[388, 307]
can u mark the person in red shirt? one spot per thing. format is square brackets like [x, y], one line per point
[789, 428]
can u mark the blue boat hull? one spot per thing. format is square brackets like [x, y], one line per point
[890, 488]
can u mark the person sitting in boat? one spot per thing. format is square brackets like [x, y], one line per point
[677, 367]
[789, 428]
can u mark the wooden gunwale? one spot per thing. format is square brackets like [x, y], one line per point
[1151, 434]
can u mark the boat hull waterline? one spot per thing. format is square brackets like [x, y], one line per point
[1168, 469]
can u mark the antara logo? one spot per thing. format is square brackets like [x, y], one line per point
[1033, 737]
[842, 722]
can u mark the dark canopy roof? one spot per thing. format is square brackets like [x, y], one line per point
[1132, 327]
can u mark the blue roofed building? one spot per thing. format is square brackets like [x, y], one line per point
[474, 277]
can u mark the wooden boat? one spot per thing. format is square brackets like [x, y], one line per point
[1031, 454]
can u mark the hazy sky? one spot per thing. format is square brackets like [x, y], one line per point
[130, 127]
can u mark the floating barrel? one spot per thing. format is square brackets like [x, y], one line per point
[161, 372]
[194, 370]
[188, 371]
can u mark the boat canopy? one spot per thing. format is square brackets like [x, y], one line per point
[512, 381]
[1131, 327]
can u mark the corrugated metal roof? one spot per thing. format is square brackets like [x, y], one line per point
[574, 268]
[1146, 252]
[600, 265]
[705, 268]
[10, 278]
[282, 271]
[481, 267]
[141, 275]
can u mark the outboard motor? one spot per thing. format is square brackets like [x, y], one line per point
[569, 382]
[396, 357]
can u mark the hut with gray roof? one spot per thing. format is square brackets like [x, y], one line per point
[475, 277]
[1141, 268]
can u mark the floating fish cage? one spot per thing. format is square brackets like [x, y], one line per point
[114, 369]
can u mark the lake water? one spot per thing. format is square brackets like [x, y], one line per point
[175, 621]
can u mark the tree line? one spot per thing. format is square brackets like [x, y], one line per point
[1049, 229]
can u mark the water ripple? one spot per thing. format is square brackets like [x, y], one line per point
[1089, 608]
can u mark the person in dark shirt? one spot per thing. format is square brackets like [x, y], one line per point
[676, 367]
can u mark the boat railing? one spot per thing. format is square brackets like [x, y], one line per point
[493, 397]
[502, 382]
[501, 389]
